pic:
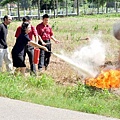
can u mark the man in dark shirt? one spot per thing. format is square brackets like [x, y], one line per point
[4, 53]
[45, 35]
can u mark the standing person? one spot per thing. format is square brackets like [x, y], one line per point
[29, 49]
[45, 34]
[19, 48]
[4, 52]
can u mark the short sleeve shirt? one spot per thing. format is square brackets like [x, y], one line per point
[45, 32]
[3, 36]
[20, 44]
[30, 34]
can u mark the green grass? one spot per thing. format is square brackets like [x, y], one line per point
[44, 90]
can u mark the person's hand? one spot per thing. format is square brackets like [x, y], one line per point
[87, 38]
[57, 41]
[84, 38]
[43, 43]
[45, 49]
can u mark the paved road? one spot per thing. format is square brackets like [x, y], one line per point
[18, 110]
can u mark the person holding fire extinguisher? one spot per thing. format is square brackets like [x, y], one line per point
[45, 34]
[29, 49]
[19, 48]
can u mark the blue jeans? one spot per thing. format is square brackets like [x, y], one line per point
[44, 57]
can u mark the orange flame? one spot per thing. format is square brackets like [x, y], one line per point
[106, 79]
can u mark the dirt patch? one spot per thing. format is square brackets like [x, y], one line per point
[62, 72]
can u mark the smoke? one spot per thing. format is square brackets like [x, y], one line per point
[92, 53]
[90, 57]
[87, 59]
[76, 65]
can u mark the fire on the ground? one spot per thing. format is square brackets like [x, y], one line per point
[105, 80]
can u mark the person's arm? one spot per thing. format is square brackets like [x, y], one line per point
[36, 38]
[52, 36]
[34, 31]
[18, 31]
[32, 43]
[54, 39]
[40, 39]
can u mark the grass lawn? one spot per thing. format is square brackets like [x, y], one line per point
[45, 90]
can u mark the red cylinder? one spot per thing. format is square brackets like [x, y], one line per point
[36, 55]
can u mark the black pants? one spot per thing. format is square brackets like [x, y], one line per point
[44, 58]
[30, 51]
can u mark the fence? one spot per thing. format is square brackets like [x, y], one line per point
[61, 12]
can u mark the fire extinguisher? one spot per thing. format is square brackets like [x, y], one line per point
[36, 55]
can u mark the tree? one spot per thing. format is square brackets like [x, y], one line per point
[77, 7]
[4, 2]
[100, 3]
[42, 4]
[38, 1]
[25, 4]
[66, 7]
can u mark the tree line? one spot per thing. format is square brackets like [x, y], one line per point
[54, 4]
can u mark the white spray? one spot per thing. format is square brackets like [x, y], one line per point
[91, 56]
[87, 59]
